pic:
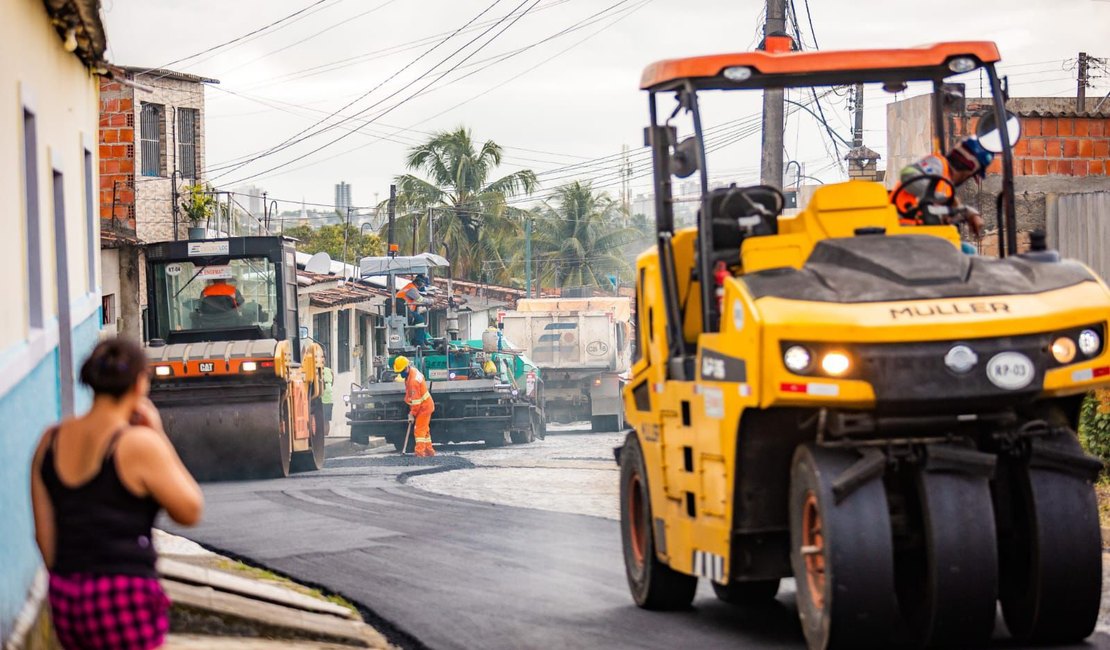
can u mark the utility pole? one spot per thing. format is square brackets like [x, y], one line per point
[626, 178]
[528, 256]
[391, 243]
[857, 107]
[770, 172]
[346, 236]
[1081, 91]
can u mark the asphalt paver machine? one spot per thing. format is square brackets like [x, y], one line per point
[855, 403]
[238, 387]
[484, 389]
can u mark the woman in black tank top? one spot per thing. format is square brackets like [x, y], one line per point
[98, 482]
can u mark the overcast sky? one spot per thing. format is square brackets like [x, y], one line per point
[566, 100]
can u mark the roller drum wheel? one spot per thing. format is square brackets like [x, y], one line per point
[228, 441]
[313, 459]
[285, 446]
[842, 554]
[747, 594]
[653, 584]
[954, 603]
[1051, 562]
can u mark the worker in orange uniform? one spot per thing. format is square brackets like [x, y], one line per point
[412, 294]
[939, 176]
[420, 404]
[220, 287]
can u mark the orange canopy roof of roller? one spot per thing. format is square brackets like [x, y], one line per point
[663, 73]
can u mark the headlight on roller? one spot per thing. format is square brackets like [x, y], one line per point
[797, 359]
[249, 366]
[163, 371]
[1063, 350]
[1089, 342]
[835, 363]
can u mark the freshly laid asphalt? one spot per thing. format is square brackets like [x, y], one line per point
[440, 572]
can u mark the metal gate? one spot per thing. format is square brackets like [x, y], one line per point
[1078, 225]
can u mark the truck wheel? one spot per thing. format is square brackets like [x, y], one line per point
[842, 554]
[313, 459]
[523, 436]
[1051, 552]
[653, 584]
[747, 594]
[499, 439]
[360, 435]
[603, 423]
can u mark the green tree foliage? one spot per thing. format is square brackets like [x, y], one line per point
[578, 238]
[1094, 424]
[330, 240]
[474, 225]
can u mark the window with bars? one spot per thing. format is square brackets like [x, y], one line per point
[343, 354]
[187, 142]
[150, 139]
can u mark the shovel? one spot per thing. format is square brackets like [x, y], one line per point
[405, 446]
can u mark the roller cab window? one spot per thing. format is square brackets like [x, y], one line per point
[230, 301]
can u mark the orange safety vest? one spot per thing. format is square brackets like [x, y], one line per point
[416, 391]
[220, 289]
[403, 294]
[907, 199]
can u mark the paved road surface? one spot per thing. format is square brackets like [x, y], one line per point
[466, 573]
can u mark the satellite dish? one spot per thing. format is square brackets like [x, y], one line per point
[319, 263]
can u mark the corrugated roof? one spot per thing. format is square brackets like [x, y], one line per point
[83, 18]
[138, 71]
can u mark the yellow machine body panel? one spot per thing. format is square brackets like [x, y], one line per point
[689, 430]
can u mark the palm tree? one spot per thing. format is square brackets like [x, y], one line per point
[470, 213]
[577, 238]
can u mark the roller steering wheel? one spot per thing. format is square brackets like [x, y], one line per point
[920, 210]
[755, 207]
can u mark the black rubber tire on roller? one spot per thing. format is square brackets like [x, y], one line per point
[747, 594]
[845, 579]
[653, 584]
[957, 603]
[313, 459]
[1051, 564]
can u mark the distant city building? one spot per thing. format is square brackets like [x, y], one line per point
[342, 197]
[250, 197]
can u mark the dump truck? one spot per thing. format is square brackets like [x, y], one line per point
[485, 390]
[236, 381]
[854, 402]
[583, 346]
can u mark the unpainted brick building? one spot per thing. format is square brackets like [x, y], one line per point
[151, 146]
[1061, 151]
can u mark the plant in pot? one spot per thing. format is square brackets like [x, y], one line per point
[199, 205]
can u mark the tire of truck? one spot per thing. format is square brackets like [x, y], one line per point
[360, 434]
[653, 584]
[603, 423]
[313, 459]
[842, 553]
[523, 436]
[747, 594]
[499, 439]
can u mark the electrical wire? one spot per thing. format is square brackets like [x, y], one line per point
[296, 138]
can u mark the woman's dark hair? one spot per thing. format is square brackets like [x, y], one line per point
[113, 367]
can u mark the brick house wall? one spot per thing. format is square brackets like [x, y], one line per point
[1060, 152]
[117, 156]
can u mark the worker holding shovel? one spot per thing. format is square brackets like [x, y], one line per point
[420, 404]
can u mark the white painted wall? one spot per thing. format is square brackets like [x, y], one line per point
[38, 73]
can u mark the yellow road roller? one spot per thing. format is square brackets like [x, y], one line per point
[845, 397]
[238, 385]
